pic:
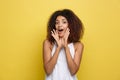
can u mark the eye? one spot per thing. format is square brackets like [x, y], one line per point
[57, 22]
[64, 22]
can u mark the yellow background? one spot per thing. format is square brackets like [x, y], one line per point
[23, 29]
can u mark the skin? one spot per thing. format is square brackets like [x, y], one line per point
[61, 38]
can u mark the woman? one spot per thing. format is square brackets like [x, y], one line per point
[62, 50]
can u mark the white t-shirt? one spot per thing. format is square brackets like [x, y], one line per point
[61, 71]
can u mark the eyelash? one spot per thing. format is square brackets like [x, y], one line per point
[65, 22]
[62, 22]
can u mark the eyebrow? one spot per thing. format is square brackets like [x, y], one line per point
[62, 19]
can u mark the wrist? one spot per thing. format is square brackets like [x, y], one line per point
[66, 46]
[58, 47]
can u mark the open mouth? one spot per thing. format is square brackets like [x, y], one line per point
[60, 30]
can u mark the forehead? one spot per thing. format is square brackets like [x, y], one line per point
[60, 18]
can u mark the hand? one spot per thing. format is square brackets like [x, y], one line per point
[56, 37]
[65, 38]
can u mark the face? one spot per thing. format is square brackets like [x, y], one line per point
[61, 25]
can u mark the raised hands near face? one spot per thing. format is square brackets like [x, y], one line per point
[66, 35]
[61, 41]
[55, 35]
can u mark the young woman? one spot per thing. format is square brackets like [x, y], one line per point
[62, 50]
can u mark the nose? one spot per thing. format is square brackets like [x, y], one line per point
[60, 25]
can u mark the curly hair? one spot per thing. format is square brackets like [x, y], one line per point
[74, 24]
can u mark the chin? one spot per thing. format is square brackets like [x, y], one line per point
[60, 36]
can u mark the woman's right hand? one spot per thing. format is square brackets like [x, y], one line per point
[56, 37]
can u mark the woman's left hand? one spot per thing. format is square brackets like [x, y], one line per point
[65, 38]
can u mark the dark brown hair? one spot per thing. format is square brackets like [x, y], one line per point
[74, 23]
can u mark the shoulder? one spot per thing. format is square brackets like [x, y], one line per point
[46, 43]
[78, 45]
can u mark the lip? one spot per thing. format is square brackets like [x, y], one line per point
[60, 31]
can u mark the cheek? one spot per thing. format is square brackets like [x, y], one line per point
[56, 27]
[66, 26]
[65, 29]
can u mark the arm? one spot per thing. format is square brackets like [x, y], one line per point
[48, 60]
[74, 64]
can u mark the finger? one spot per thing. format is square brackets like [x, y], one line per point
[68, 29]
[57, 31]
[67, 33]
[54, 31]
